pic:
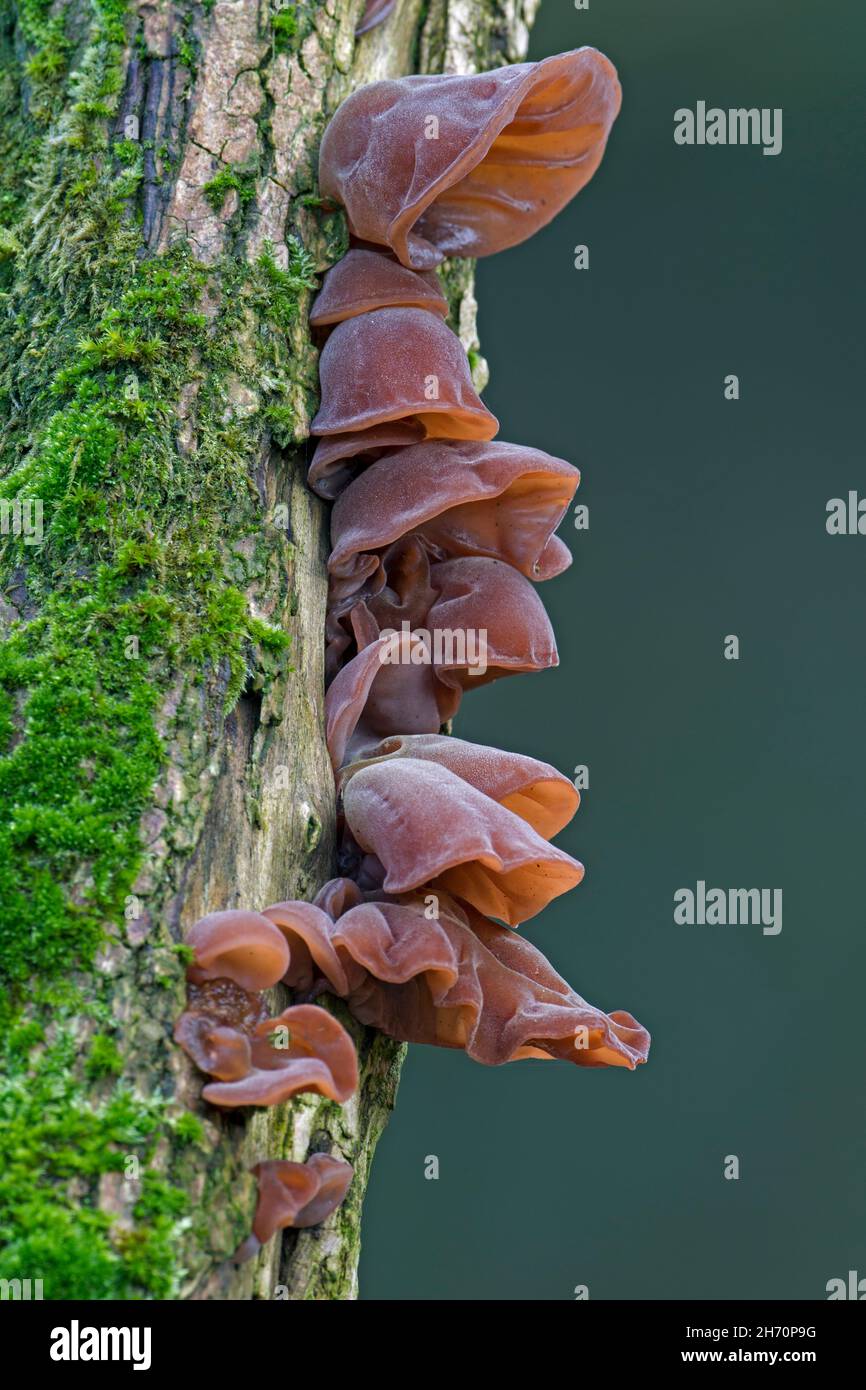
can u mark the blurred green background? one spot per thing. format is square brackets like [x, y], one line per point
[707, 517]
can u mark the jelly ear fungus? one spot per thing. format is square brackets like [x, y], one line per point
[438, 533]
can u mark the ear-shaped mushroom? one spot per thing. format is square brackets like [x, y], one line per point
[490, 499]
[468, 165]
[216, 1048]
[398, 688]
[474, 632]
[338, 457]
[335, 1176]
[398, 364]
[336, 897]
[427, 826]
[303, 1049]
[298, 1194]
[285, 1188]
[364, 280]
[307, 930]
[457, 980]
[239, 946]
[403, 591]
[375, 12]
[532, 790]
[471, 620]
[490, 598]
[362, 700]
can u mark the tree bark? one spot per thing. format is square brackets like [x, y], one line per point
[162, 677]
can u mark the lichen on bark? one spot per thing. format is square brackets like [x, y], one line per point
[161, 674]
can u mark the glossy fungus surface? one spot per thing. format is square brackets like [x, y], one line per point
[481, 852]
[297, 1194]
[364, 280]
[239, 946]
[459, 165]
[452, 978]
[398, 365]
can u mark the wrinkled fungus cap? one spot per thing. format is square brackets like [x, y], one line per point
[240, 946]
[298, 1194]
[364, 280]
[425, 968]
[480, 851]
[536, 792]
[303, 1049]
[398, 365]
[459, 165]
[475, 498]
[457, 980]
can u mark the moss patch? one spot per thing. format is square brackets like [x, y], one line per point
[55, 1138]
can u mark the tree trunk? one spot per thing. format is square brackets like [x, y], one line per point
[164, 599]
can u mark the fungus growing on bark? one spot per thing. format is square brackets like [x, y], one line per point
[303, 1049]
[216, 1048]
[483, 596]
[481, 498]
[364, 280]
[437, 540]
[375, 12]
[466, 165]
[239, 946]
[357, 717]
[337, 458]
[398, 365]
[478, 851]
[453, 979]
[296, 1194]
[472, 620]
[256, 1060]
[536, 792]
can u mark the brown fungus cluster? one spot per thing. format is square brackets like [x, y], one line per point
[254, 1059]
[257, 1060]
[439, 535]
[458, 165]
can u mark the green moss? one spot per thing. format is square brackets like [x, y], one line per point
[277, 290]
[188, 1129]
[9, 244]
[186, 52]
[134, 573]
[103, 1058]
[282, 423]
[290, 25]
[53, 1139]
[232, 178]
